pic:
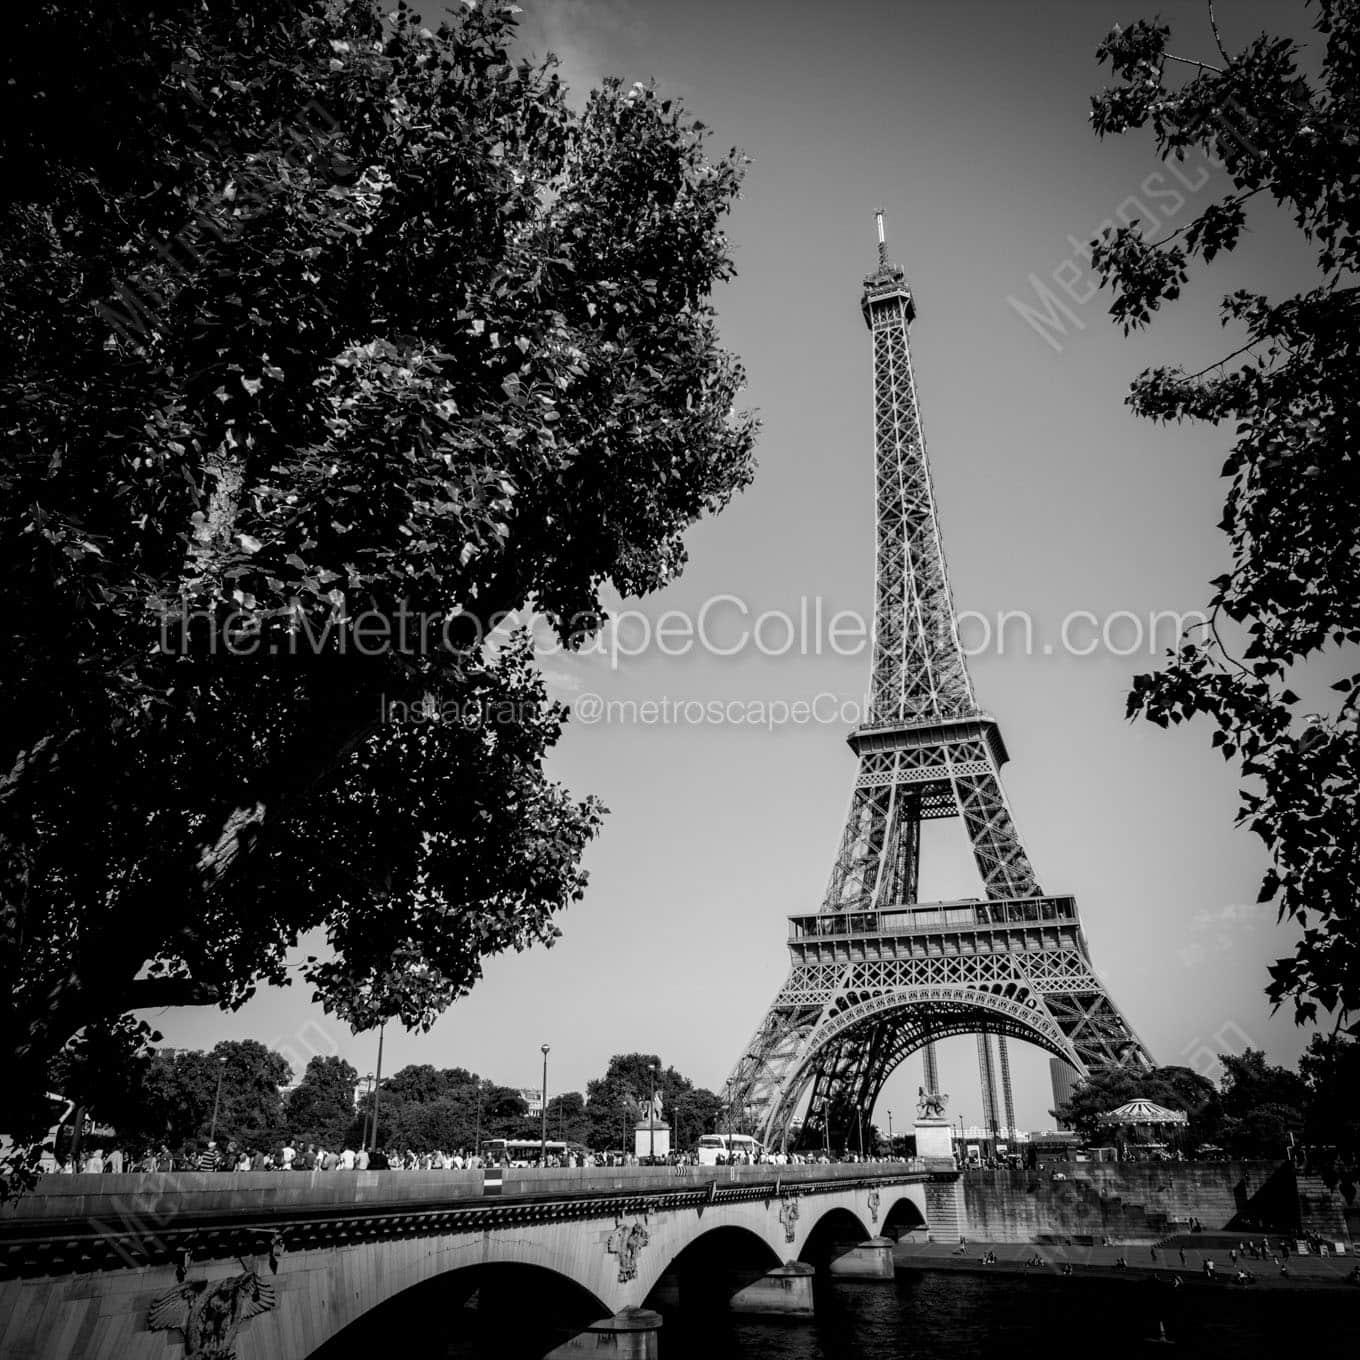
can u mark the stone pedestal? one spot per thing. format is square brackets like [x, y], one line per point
[871, 1260]
[786, 1292]
[648, 1136]
[631, 1334]
[935, 1139]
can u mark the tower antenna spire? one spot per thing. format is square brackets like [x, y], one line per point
[882, 240]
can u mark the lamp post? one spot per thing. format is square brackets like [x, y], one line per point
[859, 1125]
[217, 1099]
[890, 1134]
[477, 1128]
[543, 1115]
[368, 1101]
[377, 1083]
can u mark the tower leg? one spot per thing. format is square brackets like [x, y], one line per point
[932, 1069]
[987, 1077]
[1004, 1062]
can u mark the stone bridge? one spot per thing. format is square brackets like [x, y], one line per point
[277, 1266]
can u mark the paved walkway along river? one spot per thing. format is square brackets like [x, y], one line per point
[1012, 1258]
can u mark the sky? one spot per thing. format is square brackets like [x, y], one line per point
[966, 122]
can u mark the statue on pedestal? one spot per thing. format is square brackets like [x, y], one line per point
[930, 1104]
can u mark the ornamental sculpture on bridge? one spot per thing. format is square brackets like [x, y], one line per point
[211, 1314]
[626, 1242]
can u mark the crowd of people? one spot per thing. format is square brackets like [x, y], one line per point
[281, 1157]
[309, 1156]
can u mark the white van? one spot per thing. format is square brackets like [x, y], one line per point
[726, 1145]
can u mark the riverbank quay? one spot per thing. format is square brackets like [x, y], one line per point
[1013, 1258]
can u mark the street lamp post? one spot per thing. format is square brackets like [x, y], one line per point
[859, 1126]
[377, 1083]
[543, 1115]
[217, 1099]
[890, 1134]
[368, 1102]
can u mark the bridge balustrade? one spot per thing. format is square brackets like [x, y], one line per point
[164, 1194]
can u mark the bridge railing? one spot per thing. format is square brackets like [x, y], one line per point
[161, 1195]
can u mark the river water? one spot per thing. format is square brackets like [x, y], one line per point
[955, 1316]
[948, 1315]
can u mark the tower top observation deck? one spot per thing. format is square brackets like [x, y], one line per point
[887, 282]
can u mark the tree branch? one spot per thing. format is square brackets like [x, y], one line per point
[1251, 344]
[1237, 198]
[145, 993]
[1193, 61]
[1218, 41]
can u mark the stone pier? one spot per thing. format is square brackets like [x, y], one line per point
[631, 1334]
[871, 1260]
[786, 1292]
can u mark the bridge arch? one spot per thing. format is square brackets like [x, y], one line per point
[834, 1232]
[712, 1267]
[484, 1301]
[904, 1215]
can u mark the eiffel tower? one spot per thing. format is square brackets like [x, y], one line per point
[877, 974]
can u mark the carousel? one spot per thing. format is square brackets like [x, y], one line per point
[1141, 1127]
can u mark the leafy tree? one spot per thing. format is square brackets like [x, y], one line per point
[320, 1109]
[1266, 1131]
[1249, 1080]
[408, 1117]
[1261, 1105]
[419, 1082]
[567, 1120]
[170, 1097]
[446, 1125]
[614, 1102]
[1175, 1088]
[105, 1072]
[325, 341]
[1288, 390]
[618, 1100]
[504, 1112]
[693, 1111]
[1330, 1068]
[251, 1106]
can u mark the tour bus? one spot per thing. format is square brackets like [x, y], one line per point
[725, 1145]
[519, 1151]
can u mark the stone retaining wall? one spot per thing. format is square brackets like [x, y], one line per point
[1131, 1202]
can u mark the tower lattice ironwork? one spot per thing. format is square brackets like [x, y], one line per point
[876, 973]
